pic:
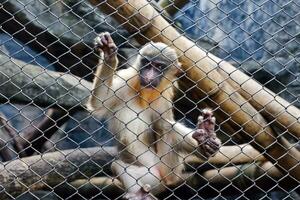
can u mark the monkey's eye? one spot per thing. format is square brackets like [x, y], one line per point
[159, 66]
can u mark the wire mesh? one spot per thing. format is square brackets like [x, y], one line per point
[238, 58]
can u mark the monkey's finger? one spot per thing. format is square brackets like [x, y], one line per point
[104, 40]
[200, 139]
[109, 38]
[214, 143]
[217, 141]
[205, 152]
[209, 151]
[212, 133]
[200, 124]
[199, 132]
[210, 124]
[201, 150]
[97, 42]
[213, 147]
[112, 47]
[130, 196]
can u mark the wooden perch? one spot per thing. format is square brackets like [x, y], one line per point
[141, 19]
[270, 105]
[21, 82]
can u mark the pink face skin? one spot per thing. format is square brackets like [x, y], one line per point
[151, 74]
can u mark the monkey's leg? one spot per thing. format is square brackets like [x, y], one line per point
[139, 182]
[103, 81]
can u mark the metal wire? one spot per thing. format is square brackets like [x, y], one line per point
[51, 147]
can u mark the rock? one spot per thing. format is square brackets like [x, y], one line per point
[261, 37]
[244, 29]
[62, 32]
[26, 83]
[70, 20]
[16, 49]
[29, 84]
[82, 131]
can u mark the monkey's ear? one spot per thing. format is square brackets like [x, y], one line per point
[179, 65]
[179, 71]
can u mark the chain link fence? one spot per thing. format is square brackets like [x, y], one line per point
[239, 58]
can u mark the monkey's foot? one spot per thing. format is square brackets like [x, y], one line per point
[205, 134]
[104, 43]
[141, 194]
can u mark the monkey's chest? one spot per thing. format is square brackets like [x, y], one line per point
[132, 127]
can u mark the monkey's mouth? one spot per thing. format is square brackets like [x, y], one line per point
[150, 77]
[149, 83]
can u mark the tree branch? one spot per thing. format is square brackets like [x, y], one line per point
[6, 145]
[34, 137]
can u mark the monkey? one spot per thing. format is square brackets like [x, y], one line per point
[138, 103]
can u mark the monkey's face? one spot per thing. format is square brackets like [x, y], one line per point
[157, 65]
[152, 71]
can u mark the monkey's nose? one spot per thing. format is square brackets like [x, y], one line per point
[150, 74]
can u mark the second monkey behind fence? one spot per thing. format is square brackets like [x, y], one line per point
[138, 102]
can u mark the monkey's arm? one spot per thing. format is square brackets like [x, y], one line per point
[203, 139]
[103, 90]
[186, 141]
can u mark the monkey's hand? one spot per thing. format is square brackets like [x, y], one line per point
[107, 48]
[142, 194]
[205, 134]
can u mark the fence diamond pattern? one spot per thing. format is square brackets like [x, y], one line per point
[238, 58]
